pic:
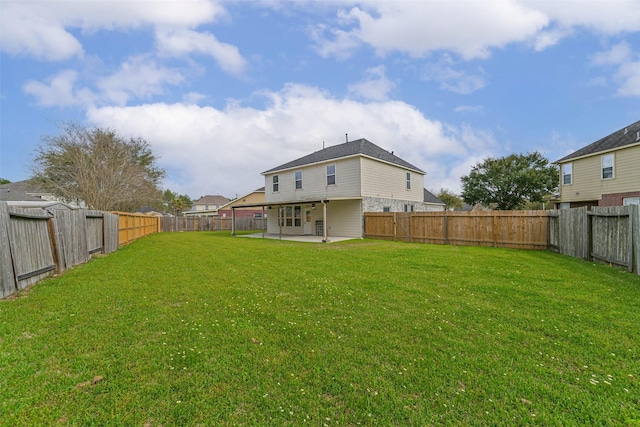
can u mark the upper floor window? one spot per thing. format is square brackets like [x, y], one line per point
[275, 183]
[607, 166]
[331, 174]
[408, 181]
[298, 180]
[567, 173]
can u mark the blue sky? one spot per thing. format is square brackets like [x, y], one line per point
[225, 90]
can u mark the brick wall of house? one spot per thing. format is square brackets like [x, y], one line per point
[615, 199]
[240, 213]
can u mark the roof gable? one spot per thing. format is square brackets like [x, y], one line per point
[429, 197]
[347, 149]
[621, 138]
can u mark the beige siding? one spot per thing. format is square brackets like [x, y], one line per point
[314, 182]
[587, 176]
[344, 218]
[390, 182]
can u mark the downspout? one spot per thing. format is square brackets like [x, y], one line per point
[263, 221]
[324, 222]
[280, 220]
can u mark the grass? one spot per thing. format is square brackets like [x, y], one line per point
[208, 329]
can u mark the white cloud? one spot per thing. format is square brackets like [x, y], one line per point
[374, 87]
[42, 28]
[59, 91]
[211, 150]
[629, 77]
[470, 29]
[452, 80]
[605, 17]
[618, 54]
[139, 77]
[182, 42]
[468, 109]
[25, 30]
[626, 65]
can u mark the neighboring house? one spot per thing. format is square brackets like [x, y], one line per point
[327, 192]
[604, 173]
[207, 206]
[256, 197]
[28, 191]
[148, 210]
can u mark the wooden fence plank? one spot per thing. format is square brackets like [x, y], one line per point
[612, 235]
[7, 278]
[110, 232]
[71, 230]
[30, 245]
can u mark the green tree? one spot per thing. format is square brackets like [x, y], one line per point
[510, 182]
[176, 203]
[97, 166]
[4, 181]
[450, 199]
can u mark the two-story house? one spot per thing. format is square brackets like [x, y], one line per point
[326, 192]
[604, 173]
[207, 205]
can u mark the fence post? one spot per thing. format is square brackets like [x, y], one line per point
[634, 217]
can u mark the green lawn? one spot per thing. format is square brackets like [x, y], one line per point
[208, 329]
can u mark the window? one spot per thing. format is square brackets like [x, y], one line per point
[298, 180]
[297, 216]
[288, 216]
[567, 174]
[275, 183]
[607, 166]
[631, 201]
[408, 181]
[408, 208]
[331, 174]
[386, 209]
[291, 216]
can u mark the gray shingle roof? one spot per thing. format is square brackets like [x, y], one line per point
[625, 136]
[351, 148]
[24, 191]
[429, 197]
[211, 200]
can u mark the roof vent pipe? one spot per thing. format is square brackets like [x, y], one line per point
[626, 130]
[346, 135]
[638, 136]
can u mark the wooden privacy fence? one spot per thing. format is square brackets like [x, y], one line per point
[35, 242]
[606, 234]
[507, 229]
[191, 223]
[133, 226]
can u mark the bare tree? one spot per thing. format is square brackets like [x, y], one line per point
[99, 167]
